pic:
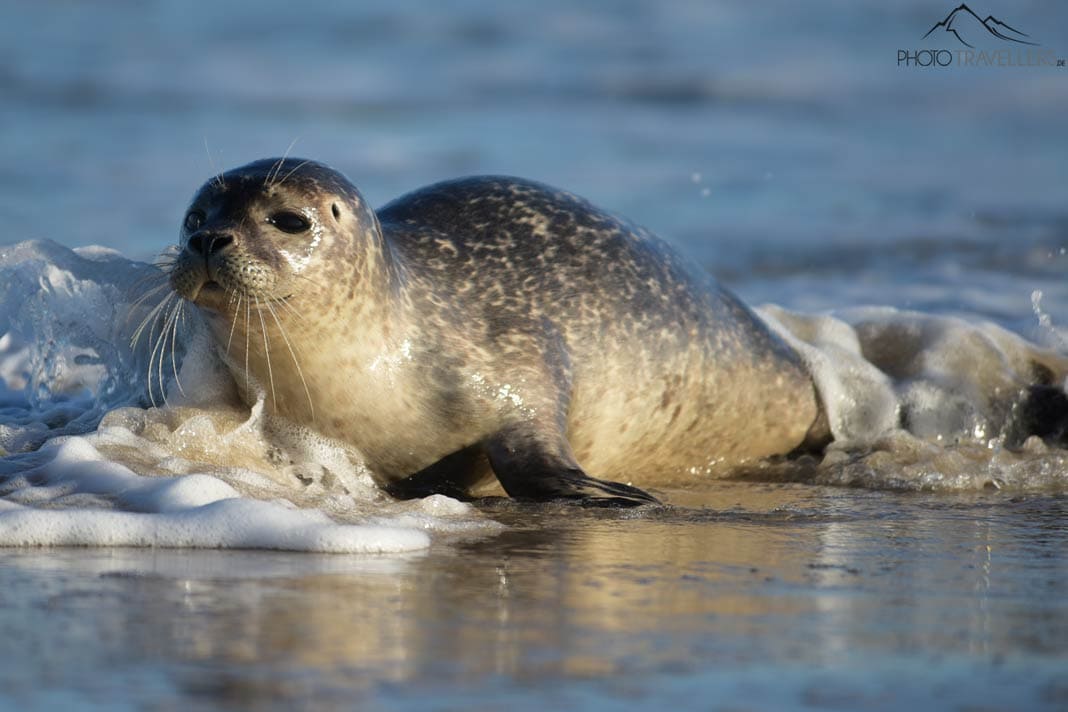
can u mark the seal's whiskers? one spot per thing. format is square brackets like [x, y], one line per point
[308, 279]
[161, 276]
[290, 309]
[267, 351]
[248, 320]
[233, 322]
[144, 297]
[295, 169]
[179, 313]
[150, 318]
[160, 348]
[272, 175]
[292, 353]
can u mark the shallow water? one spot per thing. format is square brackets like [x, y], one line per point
[777, 143]
[753, 596]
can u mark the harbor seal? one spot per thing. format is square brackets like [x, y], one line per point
[485, 326]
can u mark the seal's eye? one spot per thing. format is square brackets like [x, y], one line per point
[289, 222]
[193, 220]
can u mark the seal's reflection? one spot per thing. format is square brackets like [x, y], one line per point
[565, 591]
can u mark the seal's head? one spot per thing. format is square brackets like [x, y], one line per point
[254, 232]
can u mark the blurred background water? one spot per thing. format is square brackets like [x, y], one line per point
[778, 142]
[775, 141]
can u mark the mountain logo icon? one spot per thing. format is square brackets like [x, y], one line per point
[968, 28]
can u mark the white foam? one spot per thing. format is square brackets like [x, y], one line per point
[63, 361]
[858, 398]
[231, 523]
[879, 369]
[923, 401]
[196, 510]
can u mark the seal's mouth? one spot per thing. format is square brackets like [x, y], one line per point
[210, 295]
[214, 297]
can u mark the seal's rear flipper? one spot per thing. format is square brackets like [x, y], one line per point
[529, 469]
[1042, 411]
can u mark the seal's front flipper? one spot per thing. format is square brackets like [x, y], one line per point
[574, 484]
[529, 468]
[452, 476]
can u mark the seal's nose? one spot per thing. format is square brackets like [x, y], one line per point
[206, 244]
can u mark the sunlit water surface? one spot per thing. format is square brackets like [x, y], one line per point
[751, 596]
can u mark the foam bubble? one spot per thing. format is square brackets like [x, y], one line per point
[229, 523]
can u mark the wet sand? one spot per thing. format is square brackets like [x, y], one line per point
[745, 596]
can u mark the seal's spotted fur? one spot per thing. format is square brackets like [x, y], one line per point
[488, 323]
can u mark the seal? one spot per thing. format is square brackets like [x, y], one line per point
[485, 326]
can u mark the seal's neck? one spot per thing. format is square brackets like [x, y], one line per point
[373, 271]
[381, 273]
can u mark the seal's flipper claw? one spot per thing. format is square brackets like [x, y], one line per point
[572, 485]
[591, 492]
[531, 468]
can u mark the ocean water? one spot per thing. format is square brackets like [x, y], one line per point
[905, 227]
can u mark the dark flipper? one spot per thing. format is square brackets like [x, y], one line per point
[452, 475]
[532, 467]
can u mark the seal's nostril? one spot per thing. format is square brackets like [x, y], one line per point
[205, 244]
[218, 242]
[196, 244]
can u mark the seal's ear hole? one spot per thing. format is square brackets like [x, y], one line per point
[336, 211]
